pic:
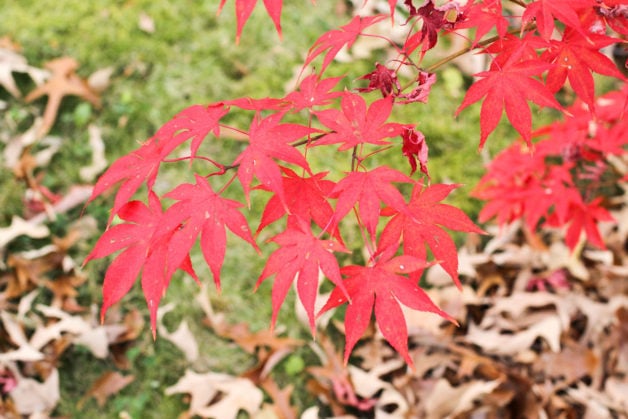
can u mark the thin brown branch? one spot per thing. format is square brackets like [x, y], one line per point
[471, 47]
[520, 3]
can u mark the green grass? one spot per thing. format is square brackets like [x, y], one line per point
[191, 58]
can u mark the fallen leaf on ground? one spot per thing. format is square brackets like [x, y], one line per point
[20, 227]
[15, 147]
[99, 161]
[25, 351]
[146, 23]
[107, 385]
[12, 62]
[215, 395]
[99, 80]
[493, 341]
[32, 397]
[182, 338]
[448, 401]
[63, 82]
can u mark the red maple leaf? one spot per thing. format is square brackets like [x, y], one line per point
[369, 189]
[484, 15]
[307, 198]
[146, 244]
[132, 170]
[194, 122]
[354, 124]
[142, 165]
[382, 288]
[269, 139]
[545, 12]
[508, 87]
[300, 257]
[201, 212]
[525, 48]
[575, 57]
[313, 92]
[258, 105]
[584, 217]
[420, 226]
[244, 8]
[334, 40]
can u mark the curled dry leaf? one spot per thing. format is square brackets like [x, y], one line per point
[182, 337]
[25, 351]
[16, 145]
[493, 341]
[389, 403]
[448, 401]
[63, 82]
[77, 195]
[146, 23]
[20, 227]
[99, 80]
[32, 397]
[94, 338]
[107, 385]
[12, 62]
[99, 161]
[221, 396]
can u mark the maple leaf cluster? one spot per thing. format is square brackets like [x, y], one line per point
[562, 182]
[531, 59]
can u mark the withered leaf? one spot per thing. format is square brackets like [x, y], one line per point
[182, 337]
[63, 82]
[107, 385]
[12, 62]
[218, 395]
[33, 397]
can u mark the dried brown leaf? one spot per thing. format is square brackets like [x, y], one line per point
[281, 406]
[99, 161]
[100, 80]
[493, 341]
[20, 227]
[12, 62]
[448, 401]
[214, 395]
[33, 397]
[107, 385]
[182, 337]
[146, 23]
[63, 82]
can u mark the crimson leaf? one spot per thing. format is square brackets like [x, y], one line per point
[334, 40]
[355, 124]
[147, 246]
[508, 87]
[421, 228]
[268, 138]
[369, 189]
[383, 288]
[200, 211]
[300, 257]
[306, 198]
